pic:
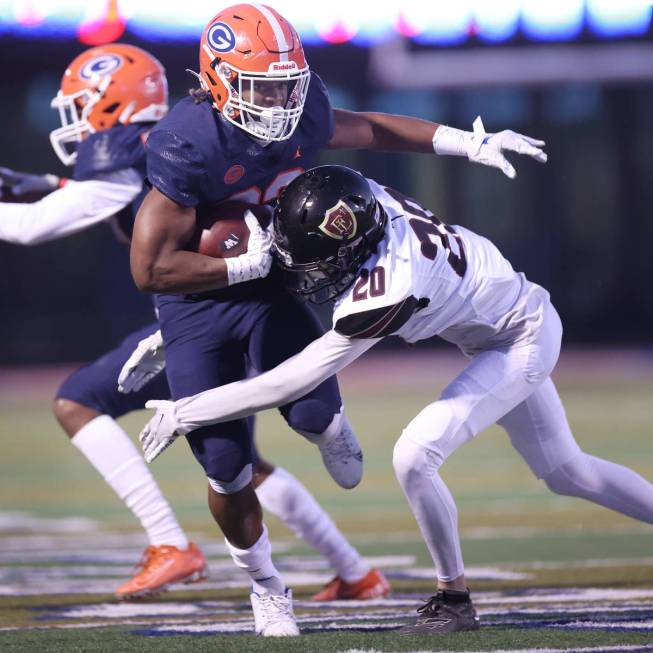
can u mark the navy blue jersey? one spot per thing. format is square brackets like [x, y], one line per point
[110, 150]
[195, 156]
[115, 149]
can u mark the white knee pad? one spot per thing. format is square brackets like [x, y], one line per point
[411, 461]
[438, 429]
[231, 487]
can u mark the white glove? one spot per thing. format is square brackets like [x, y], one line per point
[487, 149]
[146, 361]
[256, 261]
[162, 429]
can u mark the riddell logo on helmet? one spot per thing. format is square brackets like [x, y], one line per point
[339, 222]
[280, 67]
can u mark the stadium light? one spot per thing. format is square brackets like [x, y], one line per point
[364, 22]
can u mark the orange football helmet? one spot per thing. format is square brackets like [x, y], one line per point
[253, 66]
[105, 86]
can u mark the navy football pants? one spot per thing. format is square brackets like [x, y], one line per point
[96, 385]
[209, 343]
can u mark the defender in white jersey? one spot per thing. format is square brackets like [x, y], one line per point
[393, 268]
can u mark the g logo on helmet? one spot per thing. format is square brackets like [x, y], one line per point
[339, 222]
[221, 38]
[100, 66]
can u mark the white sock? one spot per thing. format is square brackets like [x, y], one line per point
[286, 498]
[109, 449]
[257, 562]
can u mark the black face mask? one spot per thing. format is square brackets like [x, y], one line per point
[320, 281]
[319, 285]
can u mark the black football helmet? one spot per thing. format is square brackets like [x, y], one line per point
[327, 222]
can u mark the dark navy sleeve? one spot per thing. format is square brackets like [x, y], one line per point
[175, 167]
[317, 117]
[115, 149]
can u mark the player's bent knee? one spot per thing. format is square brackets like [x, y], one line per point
[242, 479]
[63, 409]
[312, 417]
[71, 415]
[411, 461]
[539, 370]
[437, 426]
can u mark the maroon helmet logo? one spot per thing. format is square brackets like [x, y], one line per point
[339, 222]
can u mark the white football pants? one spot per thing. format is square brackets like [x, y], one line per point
[510, 386]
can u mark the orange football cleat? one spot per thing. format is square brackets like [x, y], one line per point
[161, 566]
[372, 586]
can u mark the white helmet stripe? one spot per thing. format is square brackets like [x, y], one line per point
[278, 31]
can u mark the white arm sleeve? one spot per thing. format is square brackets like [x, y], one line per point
[76, 206]
[286, 382]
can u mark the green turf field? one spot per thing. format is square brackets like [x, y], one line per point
[547, 572]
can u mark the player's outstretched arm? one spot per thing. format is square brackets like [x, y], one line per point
[75, 207]
[19, 184]
[487, 149]
[391, 133]
[288, 381]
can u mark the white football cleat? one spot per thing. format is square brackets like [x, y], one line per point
[343, 458]
[273, 615]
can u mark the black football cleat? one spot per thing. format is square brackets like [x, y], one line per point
[448, 611]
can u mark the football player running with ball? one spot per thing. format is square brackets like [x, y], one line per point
[110, 98]
[393, 268]
[255, 124]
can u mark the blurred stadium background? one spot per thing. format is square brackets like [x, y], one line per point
[577, 73]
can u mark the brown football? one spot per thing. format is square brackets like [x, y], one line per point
[221, 230]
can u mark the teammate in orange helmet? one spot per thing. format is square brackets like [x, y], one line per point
[257, 122]
[105, 87]
[110, 97]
